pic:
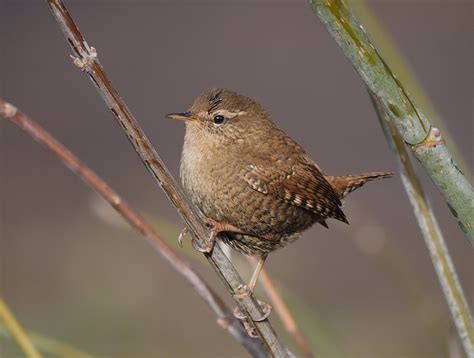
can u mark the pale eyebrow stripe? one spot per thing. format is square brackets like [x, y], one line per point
[229, 114]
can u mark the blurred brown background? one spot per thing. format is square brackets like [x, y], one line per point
[71, 270]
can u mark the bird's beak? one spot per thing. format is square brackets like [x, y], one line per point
[184, 116]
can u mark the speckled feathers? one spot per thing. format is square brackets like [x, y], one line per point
[239, 168]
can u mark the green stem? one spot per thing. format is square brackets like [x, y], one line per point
[49, 345]
[401, 67]
[17, 331]
[432, 234]
[424, 140]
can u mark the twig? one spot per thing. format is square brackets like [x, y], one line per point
[48, 345]
[225, 317]
[17, 331]
[88, 62]
[284, 313]
[424, 140]
[432, 234]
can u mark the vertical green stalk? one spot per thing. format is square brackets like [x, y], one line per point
[401, 67]
[432, 234]
[424, 140]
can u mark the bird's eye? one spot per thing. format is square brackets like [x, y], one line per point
[219, 119]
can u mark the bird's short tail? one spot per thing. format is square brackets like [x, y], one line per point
[346, 184]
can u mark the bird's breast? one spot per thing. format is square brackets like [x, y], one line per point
[202, 168]
[214, 178]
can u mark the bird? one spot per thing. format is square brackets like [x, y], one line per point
[253, 182]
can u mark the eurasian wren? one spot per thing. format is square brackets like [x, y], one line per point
[253, 181]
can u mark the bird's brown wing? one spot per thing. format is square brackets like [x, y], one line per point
[299, 183]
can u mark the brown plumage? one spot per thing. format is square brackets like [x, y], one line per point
[344, 185]
[247, 175]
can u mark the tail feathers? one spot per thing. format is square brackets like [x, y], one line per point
[346, 184]
[323, 223]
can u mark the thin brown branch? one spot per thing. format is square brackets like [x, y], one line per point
[88, 62]
[283, 311]
[225, 317]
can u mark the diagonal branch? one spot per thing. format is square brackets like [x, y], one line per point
[404, 123]
[424, 140]
[431, 232]
[88, 62]
[399, 65]
[225, 316]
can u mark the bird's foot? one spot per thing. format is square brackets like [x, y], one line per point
[249, 322]
[250, 328]
[207, 246]
[216, 228]
[244, 291]
[266, 309]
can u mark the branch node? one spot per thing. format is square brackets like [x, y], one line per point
[7, 110]
[433, 139]
[85, 63]
[115, 200]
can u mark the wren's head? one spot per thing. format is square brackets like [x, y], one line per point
[222, 116]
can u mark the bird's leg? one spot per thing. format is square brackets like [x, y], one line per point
[216, 228]
[248, 290]
[256, 273]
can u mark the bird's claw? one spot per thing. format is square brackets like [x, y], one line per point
[182, 234]
[250, 328]
[206, 246]
[242, 292]
[216, 227]
[266, 308]
[249, 323]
